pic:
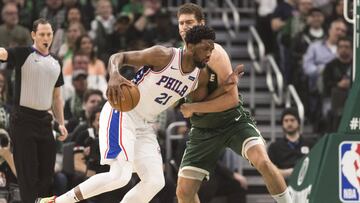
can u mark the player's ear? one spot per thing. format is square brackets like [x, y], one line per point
[33, 35]
[190, 47]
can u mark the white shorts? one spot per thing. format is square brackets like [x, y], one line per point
[127, 136]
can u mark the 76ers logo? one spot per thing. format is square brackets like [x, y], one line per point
[349, 171]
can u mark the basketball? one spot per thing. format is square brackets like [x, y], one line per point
[132, 97]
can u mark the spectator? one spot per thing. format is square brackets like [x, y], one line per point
[86, 150]
[88, 12]
[141, 9]
[73, 106]
[7, 168]
[11, 33]
[91, 99]
[286, 151]
[70, 3]
[4, 107]
[324, 5]
[263, 22]
[26, 13]
[102, 27]
[338, 13]
[94, 67]
[85, 44]
[297, 23]
[73, 32]
[54, 12]
[125, 33]
[337, 80]
[293, 26]
[225, 183]
[312, 32]
[163, 32]
[282, 13]
[73, 15]
[3, 88]
[80, 61]
[322, 52]
[316, 57]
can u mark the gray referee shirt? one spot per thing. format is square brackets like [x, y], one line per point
[36, 76]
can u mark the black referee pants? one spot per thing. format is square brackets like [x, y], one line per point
[34, 152]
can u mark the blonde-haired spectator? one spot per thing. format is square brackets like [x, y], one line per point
[73, 15]
[73, 32]
[85, 45]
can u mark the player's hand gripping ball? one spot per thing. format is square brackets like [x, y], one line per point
[131, 97]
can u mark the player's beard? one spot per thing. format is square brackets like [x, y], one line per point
[291, 132]
[200, 64]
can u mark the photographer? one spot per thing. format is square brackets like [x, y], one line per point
[85, 146]
[8, 182]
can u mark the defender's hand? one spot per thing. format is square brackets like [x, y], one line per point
[233, 78]
[185, 109]
[113, 92]
[242, 180]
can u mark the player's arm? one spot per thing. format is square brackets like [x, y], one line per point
[201, 92]
[156, 56]
[220, 64]
[286, 172]
[58, 110]
[3, 54]
[231, 81]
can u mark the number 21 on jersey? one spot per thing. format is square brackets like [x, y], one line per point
[163, 98]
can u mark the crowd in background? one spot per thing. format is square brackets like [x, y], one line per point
[312, 44]
[310, 40]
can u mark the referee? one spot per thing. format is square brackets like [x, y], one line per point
[38, 79]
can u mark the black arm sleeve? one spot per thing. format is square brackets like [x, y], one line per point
[272, 154]
[60, 80]
[17, 56]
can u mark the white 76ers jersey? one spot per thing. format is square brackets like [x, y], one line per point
[159, 90]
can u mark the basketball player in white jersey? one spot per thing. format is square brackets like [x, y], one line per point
[127, 141]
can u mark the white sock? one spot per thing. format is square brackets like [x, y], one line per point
[283, 197]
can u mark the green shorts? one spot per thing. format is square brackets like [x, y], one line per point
[205, 145]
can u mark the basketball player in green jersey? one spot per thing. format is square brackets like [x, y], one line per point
[217, 123]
